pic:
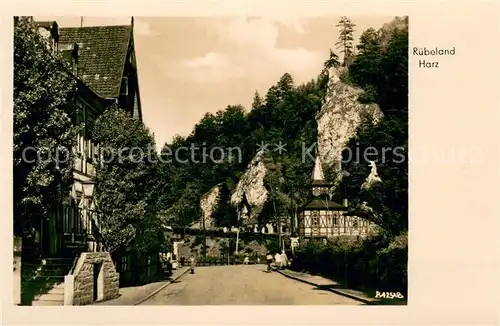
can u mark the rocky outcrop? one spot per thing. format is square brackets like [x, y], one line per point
[372, 178]
[252, 185]
[208, 204]
[339, 118]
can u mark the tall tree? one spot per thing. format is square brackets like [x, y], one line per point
[333, 61]
[126, 183]
[346, 39]
[383, 71]
[257, 101]
[225, 214]
[43, 89]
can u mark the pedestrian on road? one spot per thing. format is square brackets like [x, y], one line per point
[246, 260]
[277, 260]
[192, 263]
[169, 266]
[269, 259]
[284, 260]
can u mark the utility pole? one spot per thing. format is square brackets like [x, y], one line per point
[81, 21]
[204, 237]
[237, 231]
[278, 216]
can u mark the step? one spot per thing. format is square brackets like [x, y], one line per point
[43, 278]
[49, 263]
[48, 303]
[50, 297]
[40, 284]
[56, 262]
[45, 272]
[54, 294]
[58, 288]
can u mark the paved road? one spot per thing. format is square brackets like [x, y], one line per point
[243, 285]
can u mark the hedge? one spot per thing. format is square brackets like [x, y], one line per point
[376, 262]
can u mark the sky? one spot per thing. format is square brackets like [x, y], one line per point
[188, 66]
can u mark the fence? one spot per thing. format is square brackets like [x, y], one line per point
[137, 269]
[224, 260]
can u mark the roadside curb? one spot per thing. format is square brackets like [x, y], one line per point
[161, 287]
[351, 296]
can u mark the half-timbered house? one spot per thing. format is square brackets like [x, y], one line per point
[322, 217]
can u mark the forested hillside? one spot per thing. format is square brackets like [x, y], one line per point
[288, 113]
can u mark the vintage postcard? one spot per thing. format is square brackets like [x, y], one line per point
[227, 160]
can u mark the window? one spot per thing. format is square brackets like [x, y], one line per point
[96, 152]
[124, 88]
[91, 150]
[355, 223]
[315, 220]
[335, 221]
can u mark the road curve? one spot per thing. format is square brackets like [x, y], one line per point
[243, 285]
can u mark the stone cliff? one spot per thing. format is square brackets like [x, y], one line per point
[338, 120]
[252, 185]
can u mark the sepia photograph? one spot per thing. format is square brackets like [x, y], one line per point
[231, 160]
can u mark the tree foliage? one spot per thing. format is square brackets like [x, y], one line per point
[225, 214]
[43, 91]
[346, 39]
[126, 183]
[333, 61]
[287, 114]
[382, 72]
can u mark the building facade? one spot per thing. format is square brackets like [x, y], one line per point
[103, 61]
[323, 218]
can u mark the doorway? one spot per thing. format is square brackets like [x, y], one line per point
[98, 284]
[45, 237]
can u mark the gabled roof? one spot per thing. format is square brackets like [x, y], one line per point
[102, 54]
[318, 203]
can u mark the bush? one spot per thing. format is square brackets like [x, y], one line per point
[375, 262]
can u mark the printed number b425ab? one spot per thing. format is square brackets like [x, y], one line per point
[388, 295]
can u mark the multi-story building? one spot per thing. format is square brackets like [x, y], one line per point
[103, 60]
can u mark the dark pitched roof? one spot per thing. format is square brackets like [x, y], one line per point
[102, 54]
[323, 204]
[320, 183]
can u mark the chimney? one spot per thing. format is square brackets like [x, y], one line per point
[54, 33]
[75, 54]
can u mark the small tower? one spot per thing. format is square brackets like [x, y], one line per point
[319, 186]
[319, 216]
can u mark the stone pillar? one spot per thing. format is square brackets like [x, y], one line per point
[69, 289]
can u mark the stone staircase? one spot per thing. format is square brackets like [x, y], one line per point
[42, 281]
